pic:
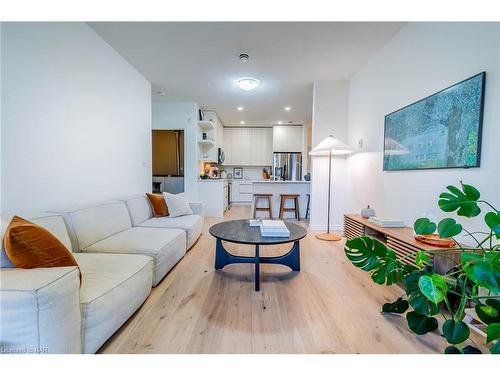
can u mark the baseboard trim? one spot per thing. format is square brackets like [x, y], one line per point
[336, 228]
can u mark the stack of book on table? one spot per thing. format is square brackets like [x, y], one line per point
[386, 222]
[274, 228]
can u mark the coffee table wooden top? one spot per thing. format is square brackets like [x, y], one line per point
[240, 231]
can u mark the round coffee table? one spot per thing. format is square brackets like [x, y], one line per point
[240, 231]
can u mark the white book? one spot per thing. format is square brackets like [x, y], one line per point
[255, 222]
[389, 222]
[274, 225]
[264, 233]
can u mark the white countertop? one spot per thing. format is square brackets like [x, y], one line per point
[280, 182]
[212, 179]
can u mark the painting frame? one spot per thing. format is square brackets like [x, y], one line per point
[238, 173]
[477, 164]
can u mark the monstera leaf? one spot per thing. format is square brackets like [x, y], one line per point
[455, 331]
[421, 259]
[433, 287]
[492, 220]
[452, 350]
[469, 349]
[389, 272]
[397, 307]
[424, 226]
[449, 228]
[495, 349]
[492, 332]
[483, 269]
[489, 311]
[366, 252]
[465, 200]
[417, 300]
[420, 323]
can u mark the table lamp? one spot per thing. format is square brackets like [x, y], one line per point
[330, 146]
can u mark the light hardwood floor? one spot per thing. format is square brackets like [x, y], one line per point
[328, 307]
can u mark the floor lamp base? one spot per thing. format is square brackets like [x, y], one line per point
[328, 237]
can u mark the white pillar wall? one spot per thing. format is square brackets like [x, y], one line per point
[330, 108]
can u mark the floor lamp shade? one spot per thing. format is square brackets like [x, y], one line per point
[330, 146]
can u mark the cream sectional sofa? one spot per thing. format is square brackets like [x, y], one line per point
[120, 257]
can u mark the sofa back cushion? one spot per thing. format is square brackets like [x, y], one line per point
[54, 223]
[96, 223]
[139, 208]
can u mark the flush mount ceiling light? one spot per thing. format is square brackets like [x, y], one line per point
[247, 83]
[240, 108]
[161, 93]
[242, 122]
[280, 122]
[287, 108]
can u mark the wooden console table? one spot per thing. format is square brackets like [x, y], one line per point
[398, 239]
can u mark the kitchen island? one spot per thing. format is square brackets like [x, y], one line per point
[283, 187]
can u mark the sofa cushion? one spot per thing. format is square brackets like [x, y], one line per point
[113, 287]
[158, 204]
[30, 245]
[96, 223]
[165, 246]
[139, 208]
[54, 223]
[191, 224]
[40, 311]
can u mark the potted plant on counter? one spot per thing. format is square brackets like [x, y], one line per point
[473, 281]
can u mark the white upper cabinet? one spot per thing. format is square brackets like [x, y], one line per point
[287, 139]
[248, 146]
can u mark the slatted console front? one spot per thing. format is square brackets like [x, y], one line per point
[398, 239]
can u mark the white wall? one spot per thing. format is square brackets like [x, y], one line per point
[1, 116]
[421, 59]
[76, 120]
[330, 106]
[182, 115]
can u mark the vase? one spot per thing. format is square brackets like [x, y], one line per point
[367, 212]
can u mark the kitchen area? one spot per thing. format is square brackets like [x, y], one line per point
[239, 161]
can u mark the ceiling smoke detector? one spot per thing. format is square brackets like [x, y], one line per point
[244, 57]
[161, 93]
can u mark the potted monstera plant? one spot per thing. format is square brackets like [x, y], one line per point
[473, 282]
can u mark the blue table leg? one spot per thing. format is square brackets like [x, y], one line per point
[290, 259]
[257, 268]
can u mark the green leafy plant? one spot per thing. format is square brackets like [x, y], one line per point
[474, 281]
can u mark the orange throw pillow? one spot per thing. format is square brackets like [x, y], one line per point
[158, 204]
[28, 245]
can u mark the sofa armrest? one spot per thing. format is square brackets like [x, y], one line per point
[40, 310]
[197, 207]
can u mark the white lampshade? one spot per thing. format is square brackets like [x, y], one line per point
[334, 145]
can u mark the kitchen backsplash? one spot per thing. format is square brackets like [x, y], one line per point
[249, 173]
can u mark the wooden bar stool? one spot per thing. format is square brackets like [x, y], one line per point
[294, 209]
[265, 197]
[308, 205]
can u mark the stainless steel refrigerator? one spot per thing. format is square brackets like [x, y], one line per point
[287, 166]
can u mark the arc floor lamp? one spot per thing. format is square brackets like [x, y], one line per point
[328, 147]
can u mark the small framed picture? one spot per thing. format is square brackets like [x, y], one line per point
[238, 173]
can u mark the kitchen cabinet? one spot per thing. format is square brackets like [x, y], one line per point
[242, 191]
[248, 146]
[213, 193]
[287, 138]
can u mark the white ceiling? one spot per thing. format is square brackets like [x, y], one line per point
[196, 61]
